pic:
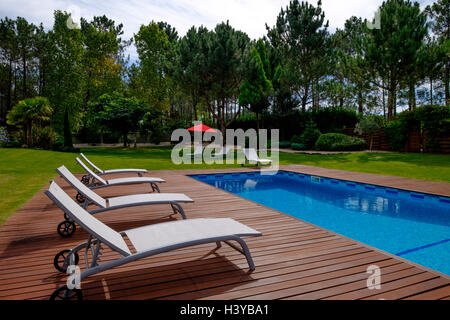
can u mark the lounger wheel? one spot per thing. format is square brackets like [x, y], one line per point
[85, 179]
[66, 228]
[64, 293]
[60, 258]
[80, 198]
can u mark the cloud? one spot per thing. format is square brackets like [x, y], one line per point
[249, 16]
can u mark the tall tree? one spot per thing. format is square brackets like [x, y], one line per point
[103, 47]
[301, 35]
[256, 88]
[66, 76]
[25, 43]
[223, 72]
[8, 56]
[152, 45]
[394, 48]
[440, 14]
[193, 51]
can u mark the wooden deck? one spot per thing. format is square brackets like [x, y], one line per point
[294, 259]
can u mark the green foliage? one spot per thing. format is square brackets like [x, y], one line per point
[44, 138]
[150, 82]
[339, 142]
[369, 126]
[296, 139]
[334, 119]
[310, 136]
[29, 113]
[434, 121]
[395, 132]
[298, 146]
[301, 35]
[256, 88]
[393, 50]
[120, 114]
[284, 144]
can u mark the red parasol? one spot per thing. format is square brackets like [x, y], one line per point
[202, 128]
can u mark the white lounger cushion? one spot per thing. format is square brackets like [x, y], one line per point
[119, 180]
[152, 198]
[88, 222]
[110, 171]
[134, 180]
[251, 155]
[182, 231]
[78, 185]
[124, 171]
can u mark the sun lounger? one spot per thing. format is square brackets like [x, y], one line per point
[67, 227]
[252, 156]
[198, 152]
[223, 152]
[147, 241]
[95, 181]
[101, 172]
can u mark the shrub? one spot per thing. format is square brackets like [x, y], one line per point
[339, 142]
[310, 136]
[296, 139]
[395, 132]
[285, 144]
[44, 137]
[369, 126]
[334, 119]
[298, 146]
[4, 139]
[58, 144]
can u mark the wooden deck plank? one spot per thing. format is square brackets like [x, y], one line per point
[294, 259]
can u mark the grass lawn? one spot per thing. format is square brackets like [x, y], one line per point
[24, 172]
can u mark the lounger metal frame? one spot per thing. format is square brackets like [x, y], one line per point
[92, 182]
[176, 207]
[101, 172]
[258, 162]
[94, 244]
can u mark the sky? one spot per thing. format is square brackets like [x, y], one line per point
[249, 16]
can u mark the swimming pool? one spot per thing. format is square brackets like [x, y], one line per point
[414, 226]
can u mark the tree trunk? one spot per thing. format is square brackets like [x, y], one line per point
[67, 130]
[29, 135]
[305, 98]
[125, 139]
[194, 111]
[24, 77]
[431, 91]
[8, 95]
[360, 101]
[257, 122]
[412, 97]
[384, 103]
[446, 83]
[391, 102]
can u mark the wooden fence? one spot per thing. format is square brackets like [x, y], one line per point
[415, 142]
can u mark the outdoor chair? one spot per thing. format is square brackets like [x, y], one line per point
[145, 241]
[88, 197]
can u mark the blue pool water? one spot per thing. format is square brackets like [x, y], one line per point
[414, 226]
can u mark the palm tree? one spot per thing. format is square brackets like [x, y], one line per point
[28, 113]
